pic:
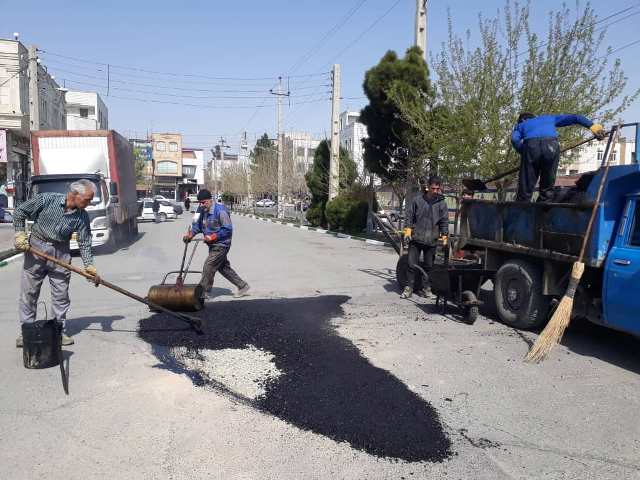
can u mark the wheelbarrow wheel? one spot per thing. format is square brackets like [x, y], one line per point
[470, 311]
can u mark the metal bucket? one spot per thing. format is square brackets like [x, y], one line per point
[41, 342]
[180, 298]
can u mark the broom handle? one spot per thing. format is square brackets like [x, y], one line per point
[110, 285]
[612, 139]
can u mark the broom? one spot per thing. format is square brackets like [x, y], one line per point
[552, 333]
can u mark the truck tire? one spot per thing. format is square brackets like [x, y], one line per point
[402, 274]
[518, 293]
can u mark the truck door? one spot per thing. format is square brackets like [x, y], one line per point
[621, 295]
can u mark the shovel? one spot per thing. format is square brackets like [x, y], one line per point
[193, 322]
[477, 185]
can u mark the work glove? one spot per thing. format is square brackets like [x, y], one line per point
[187, 238]
[209, 239]
[21, 241]
[444, 239]
[407, 233]
[91, 270]
[597, 130]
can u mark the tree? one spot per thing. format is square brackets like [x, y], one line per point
[395, 149]
[141, 168]
[514, 70]
[264, 167]
[317, 179]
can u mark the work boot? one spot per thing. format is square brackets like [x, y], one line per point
[242, 292]
[19, 342]
[407, 292]
[424, 293]
[66, 340]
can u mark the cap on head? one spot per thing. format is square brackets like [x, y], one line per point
[204, 194]
[525, 116]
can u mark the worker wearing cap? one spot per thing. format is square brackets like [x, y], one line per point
[213, 221]
[56, 217]
[536, 139]
[427, 221]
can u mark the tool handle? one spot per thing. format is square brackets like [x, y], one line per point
[191, 321]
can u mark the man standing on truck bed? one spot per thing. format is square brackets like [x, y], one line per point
[536, 139]
[214, 222]
[427, 220]
[56, 217]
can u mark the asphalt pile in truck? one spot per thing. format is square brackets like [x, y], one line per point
[324, 384]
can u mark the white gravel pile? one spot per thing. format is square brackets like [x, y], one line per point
[244, 371]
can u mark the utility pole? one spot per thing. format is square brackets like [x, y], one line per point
[279, 94]
[34, 94]
[334, 163]
[421, 26]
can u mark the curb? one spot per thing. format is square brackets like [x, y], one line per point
[316, 229]
[7, 261]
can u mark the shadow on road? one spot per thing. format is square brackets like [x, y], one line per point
[388, 274]
[326, 385]
[77, 325]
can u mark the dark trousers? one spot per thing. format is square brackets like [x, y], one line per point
[539, 159]
[429, 253]
[217, 261]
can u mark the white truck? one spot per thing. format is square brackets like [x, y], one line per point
[102, 156]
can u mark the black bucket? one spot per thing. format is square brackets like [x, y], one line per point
[41, 343]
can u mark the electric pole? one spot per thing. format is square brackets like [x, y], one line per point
[334, 162]
[421, 26]
[279, 94]
[34, 94]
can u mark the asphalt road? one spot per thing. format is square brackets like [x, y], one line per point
[323, 372]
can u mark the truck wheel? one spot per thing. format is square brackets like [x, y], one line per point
[518, 294]
[470, 311]
[402, 274]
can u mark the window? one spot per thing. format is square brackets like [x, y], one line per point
[166, 167]
[173, 147]
[600, 155]
[160, 146]
[612, 156]
[635, 232]
[84, 112]
[189, 171]
[311, 153]
[300, 151]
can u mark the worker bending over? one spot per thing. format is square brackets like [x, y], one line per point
[536, 139]
[56, 217]
[214, 222]
[427, 220]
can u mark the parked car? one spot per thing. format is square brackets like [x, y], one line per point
[166, 210]
[193, 199]
[265, 202]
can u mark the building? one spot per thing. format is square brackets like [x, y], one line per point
[590, 156]
[193, 167]
[86, 111]
[352, 132]
[30, 99]
[302, 148]
[167, 163]
[143, 149]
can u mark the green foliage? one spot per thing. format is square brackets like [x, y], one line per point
[140, 166]
[317, 179]
[395, 149]
[346, 213]
[513, 70]
[227, 198]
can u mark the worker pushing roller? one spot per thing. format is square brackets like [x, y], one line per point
[536, 139]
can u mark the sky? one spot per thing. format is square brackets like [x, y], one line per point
[206, 68]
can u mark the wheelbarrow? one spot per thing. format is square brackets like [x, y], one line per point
[179, 296]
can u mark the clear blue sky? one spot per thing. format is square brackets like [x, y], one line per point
[248, 44]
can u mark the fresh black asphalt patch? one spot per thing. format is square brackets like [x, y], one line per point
[326, 385]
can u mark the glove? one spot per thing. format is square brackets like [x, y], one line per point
[407, 233]
[21, 242]
[210, 238]
[597, 130]
[91, 270]
[444, 239]
[187, 238]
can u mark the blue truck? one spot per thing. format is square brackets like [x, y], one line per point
[527, 249]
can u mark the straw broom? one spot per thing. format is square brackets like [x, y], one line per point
[552, 333]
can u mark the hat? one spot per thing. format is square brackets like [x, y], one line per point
[204, 194]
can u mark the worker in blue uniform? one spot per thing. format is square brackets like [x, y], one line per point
[536, 139]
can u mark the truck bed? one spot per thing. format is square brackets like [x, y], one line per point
[551, 230]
